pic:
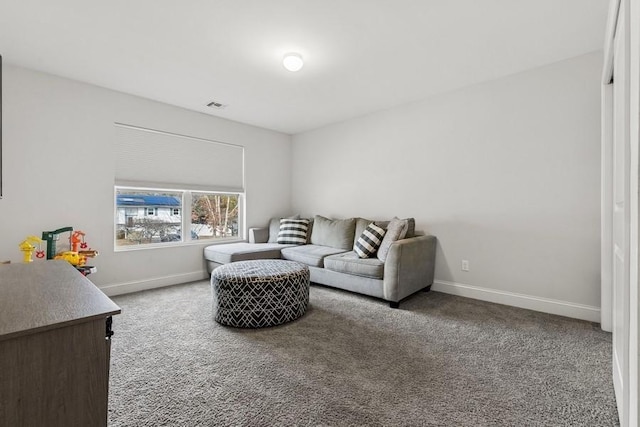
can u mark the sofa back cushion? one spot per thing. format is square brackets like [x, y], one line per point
[361, 224]
[336, 233]
[310, 230]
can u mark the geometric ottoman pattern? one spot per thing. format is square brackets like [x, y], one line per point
[259, 293]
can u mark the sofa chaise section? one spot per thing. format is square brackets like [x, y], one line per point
[217, 255]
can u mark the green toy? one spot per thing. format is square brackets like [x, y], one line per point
[51, 237]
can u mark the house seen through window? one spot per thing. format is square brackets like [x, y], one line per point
[155, 217]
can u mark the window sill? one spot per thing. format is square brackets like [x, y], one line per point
[203, 242]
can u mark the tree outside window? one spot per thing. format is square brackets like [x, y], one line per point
[214, 215]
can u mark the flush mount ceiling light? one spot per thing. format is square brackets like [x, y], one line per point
[292, 61]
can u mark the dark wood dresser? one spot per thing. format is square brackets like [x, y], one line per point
[55, 340]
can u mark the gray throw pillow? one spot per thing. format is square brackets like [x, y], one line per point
[396, 230]
[336, 233]
[274, 227]
[411, 230]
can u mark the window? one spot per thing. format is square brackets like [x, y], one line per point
[214, 215]
[173, 189]
[137, 217]
[146, 216]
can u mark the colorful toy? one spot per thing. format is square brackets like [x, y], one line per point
[76, 238]
[73, 256]
[28, 248]
[52, 238]
[90, 253]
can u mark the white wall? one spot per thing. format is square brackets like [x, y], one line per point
[506, 174]
[59, 171]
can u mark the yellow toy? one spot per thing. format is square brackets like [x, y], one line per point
[73, 258]
[28, 249]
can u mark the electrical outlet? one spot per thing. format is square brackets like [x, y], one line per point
[465, 265]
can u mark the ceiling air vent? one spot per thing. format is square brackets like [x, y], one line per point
[216, 105]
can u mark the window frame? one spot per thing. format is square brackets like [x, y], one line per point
[185, 208]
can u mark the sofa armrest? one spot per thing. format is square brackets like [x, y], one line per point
[258, 235]
[409, 267]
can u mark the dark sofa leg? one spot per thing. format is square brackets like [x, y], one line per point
[394, 304]
[427, 289]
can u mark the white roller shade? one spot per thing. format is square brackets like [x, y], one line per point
[172, 160]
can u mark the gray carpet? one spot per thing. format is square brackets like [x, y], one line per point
[439, 360]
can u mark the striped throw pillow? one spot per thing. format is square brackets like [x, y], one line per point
[369, 241]
[293, 231]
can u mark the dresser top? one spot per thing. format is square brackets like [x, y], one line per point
[46, 295]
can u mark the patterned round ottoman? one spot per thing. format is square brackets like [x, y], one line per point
[256, 294]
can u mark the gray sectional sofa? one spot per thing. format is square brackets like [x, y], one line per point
[408, 266]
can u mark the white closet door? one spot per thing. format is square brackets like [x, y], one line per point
[621, 261]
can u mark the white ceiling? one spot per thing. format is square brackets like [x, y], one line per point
[360, 55]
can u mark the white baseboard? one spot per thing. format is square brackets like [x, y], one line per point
[156, 282]
[545, 305]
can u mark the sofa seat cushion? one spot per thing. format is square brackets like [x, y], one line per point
[351, 263]
[312, 255]
[243, 251]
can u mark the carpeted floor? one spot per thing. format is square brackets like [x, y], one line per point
[439, 360]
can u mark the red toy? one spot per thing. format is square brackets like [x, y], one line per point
[77, 238]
